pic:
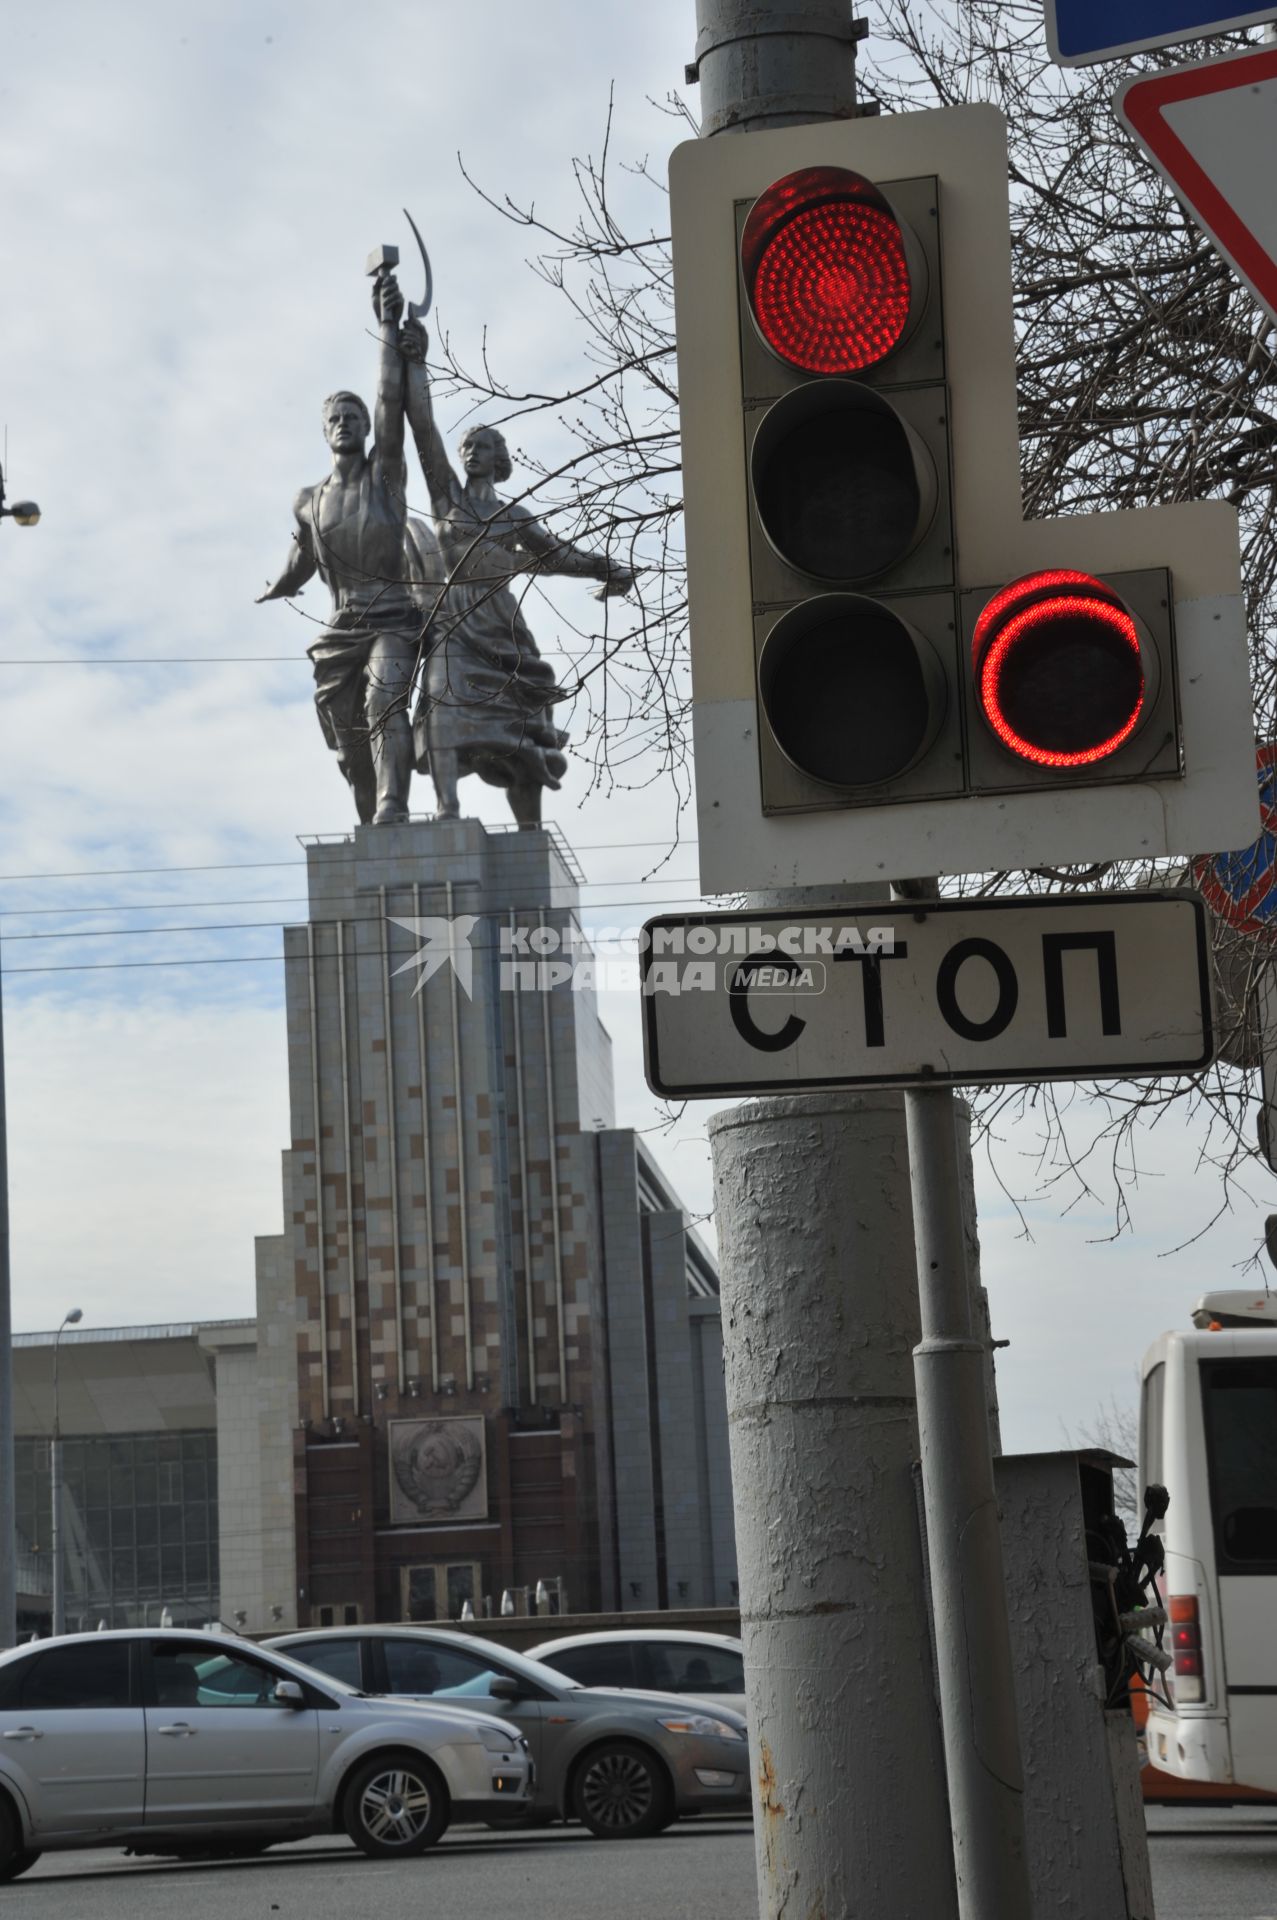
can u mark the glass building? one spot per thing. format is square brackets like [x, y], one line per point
[155, 1460]
[139, 1525]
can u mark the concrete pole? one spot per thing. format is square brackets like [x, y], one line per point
[820, 1316]
[775, 63]
[8, 1491]
[820, 1319]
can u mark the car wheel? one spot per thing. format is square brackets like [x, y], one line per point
[18, 1863]
[14, 1857]
[395, 1805]
[621, 1792]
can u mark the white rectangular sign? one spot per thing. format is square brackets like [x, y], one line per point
[949, 992]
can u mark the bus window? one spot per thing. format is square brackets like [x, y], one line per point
[1239, 1398]
[1152, 1450]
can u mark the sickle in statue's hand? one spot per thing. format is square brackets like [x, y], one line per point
[420, 308]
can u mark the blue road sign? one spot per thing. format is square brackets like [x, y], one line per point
[1080, 32]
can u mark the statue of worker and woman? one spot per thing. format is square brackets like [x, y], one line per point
[426, 661]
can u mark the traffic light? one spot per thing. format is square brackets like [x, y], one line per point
[893, 672]
[842, 362]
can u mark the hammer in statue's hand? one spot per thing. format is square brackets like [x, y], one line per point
[387, 301]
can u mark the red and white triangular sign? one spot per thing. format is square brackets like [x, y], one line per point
[1211, 129]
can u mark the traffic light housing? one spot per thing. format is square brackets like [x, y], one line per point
[893, 672]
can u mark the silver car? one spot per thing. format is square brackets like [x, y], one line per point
[709, 1667]
[180, 1742]
[624, 1764]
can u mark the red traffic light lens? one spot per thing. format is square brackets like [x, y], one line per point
[827, 271]
[1061, 669]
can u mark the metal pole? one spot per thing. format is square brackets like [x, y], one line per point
[26, 513]
[55, 1479]
[55, 1473]
[70, 1319]
[8, 1493]
[964, 1542]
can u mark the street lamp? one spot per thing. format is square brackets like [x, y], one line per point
[72, 1319]
[25, 512]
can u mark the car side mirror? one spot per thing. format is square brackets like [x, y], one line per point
[504, 1688]
[288, 1693]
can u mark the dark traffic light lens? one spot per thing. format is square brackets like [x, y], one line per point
[1062, 669]
[828, 271]
[844, 487]
[854, 695]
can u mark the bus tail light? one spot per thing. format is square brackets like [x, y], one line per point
[1186, 1644]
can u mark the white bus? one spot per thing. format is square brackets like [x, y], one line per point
[1208, 1433]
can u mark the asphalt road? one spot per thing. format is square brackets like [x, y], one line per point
[699, 1870]
[1206, 1866]
[1213, 1864]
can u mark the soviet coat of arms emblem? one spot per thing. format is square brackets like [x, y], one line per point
[437, 1469]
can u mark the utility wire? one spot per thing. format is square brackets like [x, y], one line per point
[277, 900]
[349, 919]
[162, 660]
[254, 959]
[239, 866]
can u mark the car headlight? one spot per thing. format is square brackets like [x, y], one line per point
[497, 1741]
[702, 1723]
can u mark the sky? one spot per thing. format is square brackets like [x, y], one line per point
[190, 192]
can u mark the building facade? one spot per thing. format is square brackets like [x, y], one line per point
[146, 1427]
[504, 1336]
